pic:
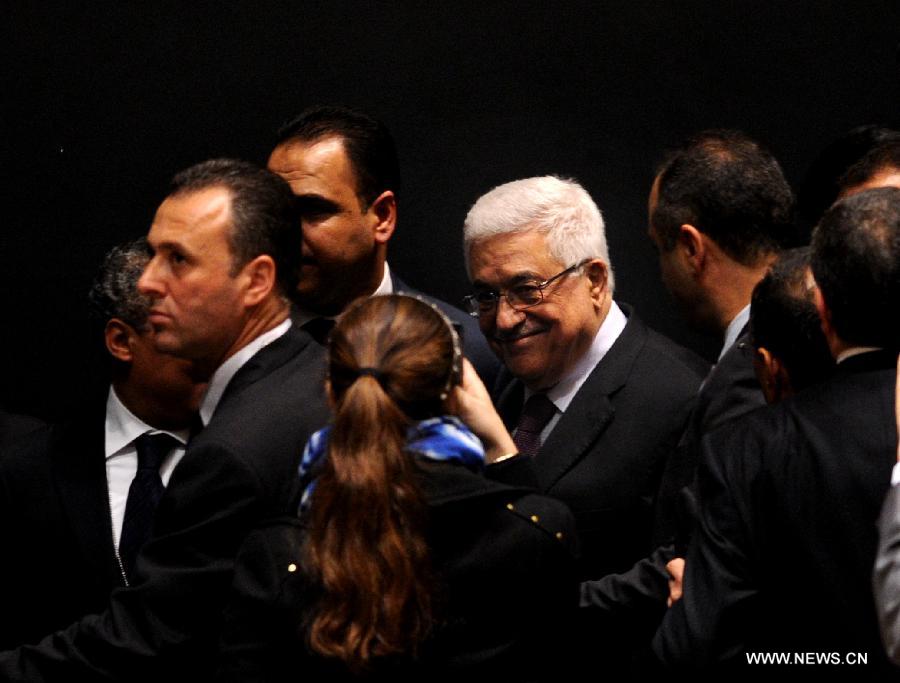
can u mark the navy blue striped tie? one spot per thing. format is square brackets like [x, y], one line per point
[143, 495]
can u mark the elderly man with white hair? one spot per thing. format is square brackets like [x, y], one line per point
[597, 400]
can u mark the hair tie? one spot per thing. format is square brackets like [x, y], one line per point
[371, 372]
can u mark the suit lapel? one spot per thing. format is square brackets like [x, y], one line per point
[591, 410]
[292, 343]
[79, 469]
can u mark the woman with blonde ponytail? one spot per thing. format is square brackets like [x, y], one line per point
[404, 561]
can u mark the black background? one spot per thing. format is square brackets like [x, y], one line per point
[104, 101]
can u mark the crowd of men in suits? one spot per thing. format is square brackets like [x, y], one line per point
[722, 512]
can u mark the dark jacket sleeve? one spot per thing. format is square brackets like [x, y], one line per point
[170, 616]
[517, 471]
[260, 627]
[703, 628]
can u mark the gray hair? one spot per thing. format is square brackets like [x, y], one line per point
[114, 292]
[559, 208]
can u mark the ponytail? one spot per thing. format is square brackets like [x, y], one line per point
[366, 544]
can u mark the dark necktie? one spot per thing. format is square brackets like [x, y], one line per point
[143, 495]
[319, 329]
[536, 413]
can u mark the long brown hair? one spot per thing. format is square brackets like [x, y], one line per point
[366, 543]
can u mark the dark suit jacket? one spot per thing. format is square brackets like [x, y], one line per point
[606, 455]
[55, 518]
[604, 459]
[507, 588]
[475, 346]
[14, 427]
[238, 471]
[730, 390]
[782, 557]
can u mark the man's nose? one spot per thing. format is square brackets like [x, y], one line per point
[507, 317]
[148, 284]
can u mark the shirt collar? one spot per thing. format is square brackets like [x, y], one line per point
[122, 426]
[301, 316]
[387, 284]
[855, 351]
[222, 376]
[733, 331]
[562, 393]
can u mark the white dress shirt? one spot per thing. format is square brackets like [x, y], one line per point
[122, 428]
[733, 331]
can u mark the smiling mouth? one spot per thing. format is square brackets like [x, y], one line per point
[518, 336]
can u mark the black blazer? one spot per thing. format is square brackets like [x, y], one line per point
[475, 346]
[730, 390]
[781, 559]
[606, 455]
[55, 522]
[238, 471]
[506, 577]
[14, 427]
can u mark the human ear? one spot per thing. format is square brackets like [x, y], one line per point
[693, 246]
[598, 274]
[384, 209]
[772, 375]
[117, 335]
[260, 275]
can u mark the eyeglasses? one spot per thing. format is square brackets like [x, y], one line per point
[519, 297]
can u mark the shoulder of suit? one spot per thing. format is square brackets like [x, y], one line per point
[546, 516]
[281, 539]
[680, 358]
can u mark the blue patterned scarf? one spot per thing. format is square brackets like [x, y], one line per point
[438, 438]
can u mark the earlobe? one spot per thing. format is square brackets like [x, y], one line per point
[117, 335]
[384, 208]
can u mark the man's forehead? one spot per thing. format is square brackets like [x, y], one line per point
[506, 258]
[295, 158]
[187, 211]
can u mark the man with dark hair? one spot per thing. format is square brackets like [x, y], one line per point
[790, 349]
[720, 212]
[65, 491]
[224, 252]
[880, 167]
[342, 166]
[782, 557]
